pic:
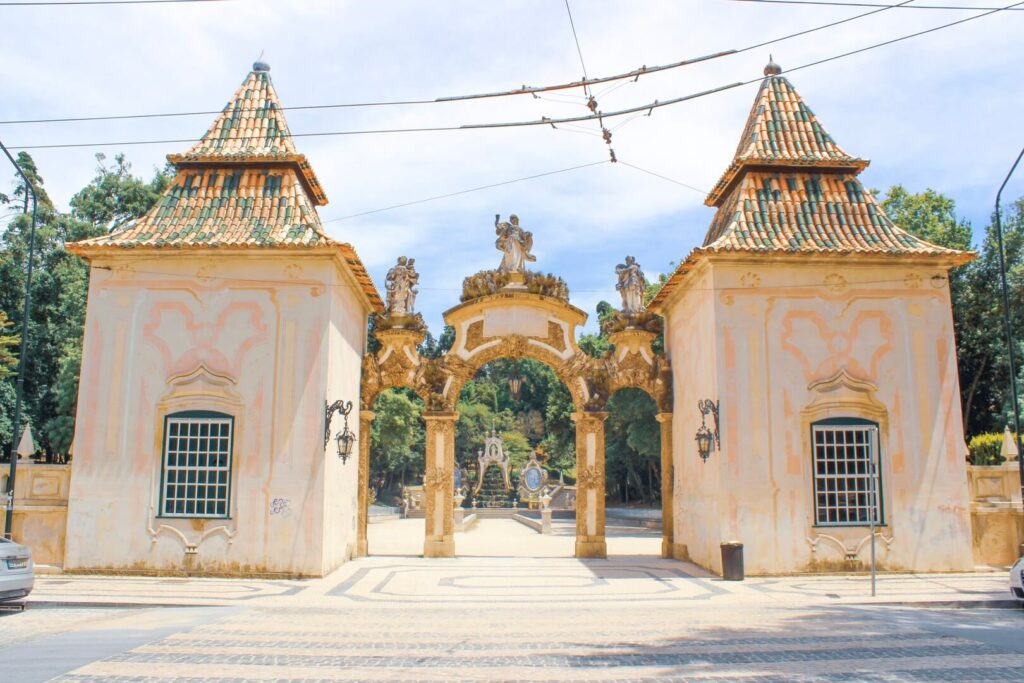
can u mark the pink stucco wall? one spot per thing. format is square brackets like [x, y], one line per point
[265, 337]
[784, 342]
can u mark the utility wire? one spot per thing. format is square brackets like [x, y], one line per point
[902, 5]
[663, 177]
[633, 75]
[99, 2]
[545, 121]
[460, 192]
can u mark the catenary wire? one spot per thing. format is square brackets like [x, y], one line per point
[628, 77]
[545, 121]
[68, 3]
[460, 192]
[664, 177]
[902, 5]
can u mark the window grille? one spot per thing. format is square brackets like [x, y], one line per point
[844, 492]
[197, 465]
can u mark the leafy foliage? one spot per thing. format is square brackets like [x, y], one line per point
[985, 449]
[60, 286]
[976, 297]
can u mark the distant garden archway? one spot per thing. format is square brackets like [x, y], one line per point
[517, 315]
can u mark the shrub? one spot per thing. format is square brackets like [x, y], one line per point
[985, 449]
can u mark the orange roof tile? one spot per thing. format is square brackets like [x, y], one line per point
[782, 131]
[792, 190]
[243, 185]
[252, 130]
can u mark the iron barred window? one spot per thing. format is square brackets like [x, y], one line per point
[843, 491]
[197, 464]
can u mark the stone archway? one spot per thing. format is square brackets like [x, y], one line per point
[525, 317]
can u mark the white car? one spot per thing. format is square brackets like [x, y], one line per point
[1017, 580]
[17, 575]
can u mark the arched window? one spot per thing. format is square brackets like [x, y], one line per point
[847, 485]
[196, 471]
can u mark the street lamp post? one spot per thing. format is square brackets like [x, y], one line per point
[26, 309]
[1008, 321]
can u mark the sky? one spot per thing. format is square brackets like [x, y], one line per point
[939, 111]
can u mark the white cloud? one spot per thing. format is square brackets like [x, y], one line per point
[933, 111]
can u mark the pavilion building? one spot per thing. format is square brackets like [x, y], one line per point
[825, 333]
[218, 326]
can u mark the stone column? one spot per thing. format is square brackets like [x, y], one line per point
[667, 485]
[365, 425]
[439, 484]
[590, 541]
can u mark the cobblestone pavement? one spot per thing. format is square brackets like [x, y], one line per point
[493, 618]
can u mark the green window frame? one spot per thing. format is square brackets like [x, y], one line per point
[196, 465]
[842, 455]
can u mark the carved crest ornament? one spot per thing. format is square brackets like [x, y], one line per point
[548, 337]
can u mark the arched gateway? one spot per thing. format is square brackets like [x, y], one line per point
[513, 313]
[222, 322]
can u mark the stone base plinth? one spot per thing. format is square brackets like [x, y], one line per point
[680, 552]
[439, 548]
[667, 549]
[362, 550]
[591, 548]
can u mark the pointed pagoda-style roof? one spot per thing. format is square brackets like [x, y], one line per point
[782, 131]
[252, 130]
[791, 189]
[243, 185]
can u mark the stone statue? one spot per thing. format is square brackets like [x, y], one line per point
[400, 286]
[514, 243]
[632, 286]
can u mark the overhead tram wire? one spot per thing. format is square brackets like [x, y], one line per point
[67, 3]
[902, 5]
[461, 192]
[544, 121]
[633, 75]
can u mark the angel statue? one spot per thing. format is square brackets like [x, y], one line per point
[632, 285]
[514, 243]
[400, 286]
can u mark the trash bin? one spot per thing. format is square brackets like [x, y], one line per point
[732, 561]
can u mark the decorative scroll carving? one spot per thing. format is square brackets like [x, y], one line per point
[437, 478]
[589, 477]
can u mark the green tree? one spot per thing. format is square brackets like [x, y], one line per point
[396, 441]
[60, 286]
[974, 292]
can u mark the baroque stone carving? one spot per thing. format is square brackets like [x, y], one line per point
[437, 478]
[632, 285]
[400, 285]
[589, 477]
[514, 243]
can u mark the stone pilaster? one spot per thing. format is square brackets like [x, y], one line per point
[439, 484]
[667, 485]
[590, 539]
[365, 426]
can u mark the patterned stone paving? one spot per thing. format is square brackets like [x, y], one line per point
[523, 619]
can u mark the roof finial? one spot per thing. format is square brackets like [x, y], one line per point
[260, 65]
[772, 69]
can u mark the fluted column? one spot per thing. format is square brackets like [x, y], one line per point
[667, 485]
[438, 484]
[365, 426]
[590, 540]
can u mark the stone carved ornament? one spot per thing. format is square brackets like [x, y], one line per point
[632, 285]
[400, 285]
[514, 243]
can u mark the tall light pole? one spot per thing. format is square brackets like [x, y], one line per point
[22, 350]
[1007, 319]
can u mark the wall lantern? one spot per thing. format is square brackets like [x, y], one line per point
[706, 439]
[515, 382]
[345, 439]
